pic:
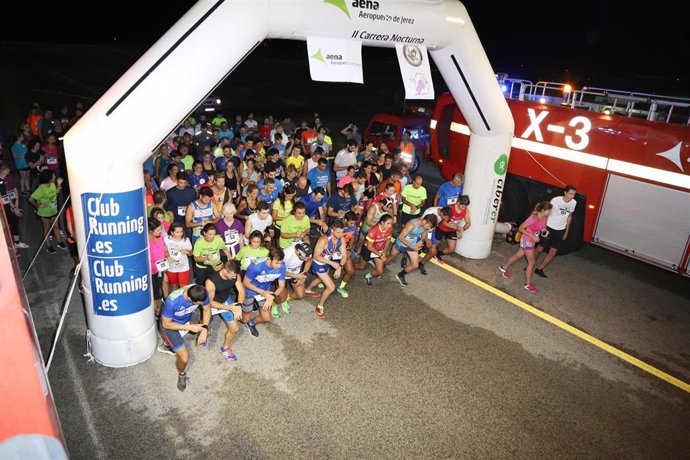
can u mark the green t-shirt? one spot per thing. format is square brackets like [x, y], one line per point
[281, 212]
[203, 247]
[167, 217]
[188, 162]
[249, 255]
[292, 225]
[414, 196]
[46, 195]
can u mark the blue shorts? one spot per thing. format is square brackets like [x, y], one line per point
[227, 315]
[401, 247]
[431, 237]
[317, 268]
[173, 339]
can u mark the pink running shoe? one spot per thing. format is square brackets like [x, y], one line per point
[504, 271]
[531, 288]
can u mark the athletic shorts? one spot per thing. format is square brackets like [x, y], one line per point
[227, 315]
[551, 238]
[405, 218]
[173, 339]
[440, 234]
[526, 244]
[251, 303]
[181, 278]
[401, 247]
[317, 268]
[367, 255]
[157, 286]
[431, 237]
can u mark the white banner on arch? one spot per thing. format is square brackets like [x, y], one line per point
[332, 59]
[415, 71]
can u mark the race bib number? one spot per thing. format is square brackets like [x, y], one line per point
[234, 194]
[162, 265]
[232, 237]
[202, 181]
[452, 200]
[54, 204]
[337, 256]
[182, 211]
[51, 160]
[12, 195]
[6, 199]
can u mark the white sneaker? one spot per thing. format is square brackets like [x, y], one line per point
[20, 245]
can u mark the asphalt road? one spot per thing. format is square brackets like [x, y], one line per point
[441, 368]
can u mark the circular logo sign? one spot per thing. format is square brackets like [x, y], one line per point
[413, 55]
[501, 165]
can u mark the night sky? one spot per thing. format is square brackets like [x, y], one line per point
[634, 45]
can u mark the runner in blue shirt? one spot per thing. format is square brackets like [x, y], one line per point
[177, 311]
[258, 282]
[320, 176]
[268, 192]
[315, 203]
[449, 192]
[341, 202]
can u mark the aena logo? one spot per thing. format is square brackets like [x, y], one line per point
[363, 4]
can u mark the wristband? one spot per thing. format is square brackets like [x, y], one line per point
[205, 326]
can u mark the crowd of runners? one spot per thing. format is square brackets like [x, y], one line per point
[246, 216]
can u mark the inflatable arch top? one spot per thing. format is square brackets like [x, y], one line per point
[106, 176]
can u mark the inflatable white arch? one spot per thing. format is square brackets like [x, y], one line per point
[106, 175]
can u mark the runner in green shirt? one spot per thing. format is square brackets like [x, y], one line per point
[413, 198]
[207, 253]
[253, 252]
[44, 199]
[295, 226]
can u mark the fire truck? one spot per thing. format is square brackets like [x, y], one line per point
[627, 153]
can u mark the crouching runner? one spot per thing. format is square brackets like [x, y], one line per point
[330, 252]
[410, 241]
[174, 324]
[259, 283]
[297, 264]
[220, 290]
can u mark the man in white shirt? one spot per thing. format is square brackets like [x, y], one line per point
[345, 158]
[557, 227]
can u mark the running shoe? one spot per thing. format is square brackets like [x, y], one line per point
[274, 311]
[228, 353]
[320, 312]
[312, 294]
[401, 277]
[367, 279]
[403, 261]
[422, 270]
[504, 271]
[20, 245]
[531, 288]
[165, 349]
[540, 272]
[285, 306]
[50, 250]
[62, 245]
[440, 260]
[343, 293]
[252, 328]
[182, 380]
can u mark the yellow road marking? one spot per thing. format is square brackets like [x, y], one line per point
[568, 328]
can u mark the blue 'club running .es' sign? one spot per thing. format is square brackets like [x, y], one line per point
[117, 251]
